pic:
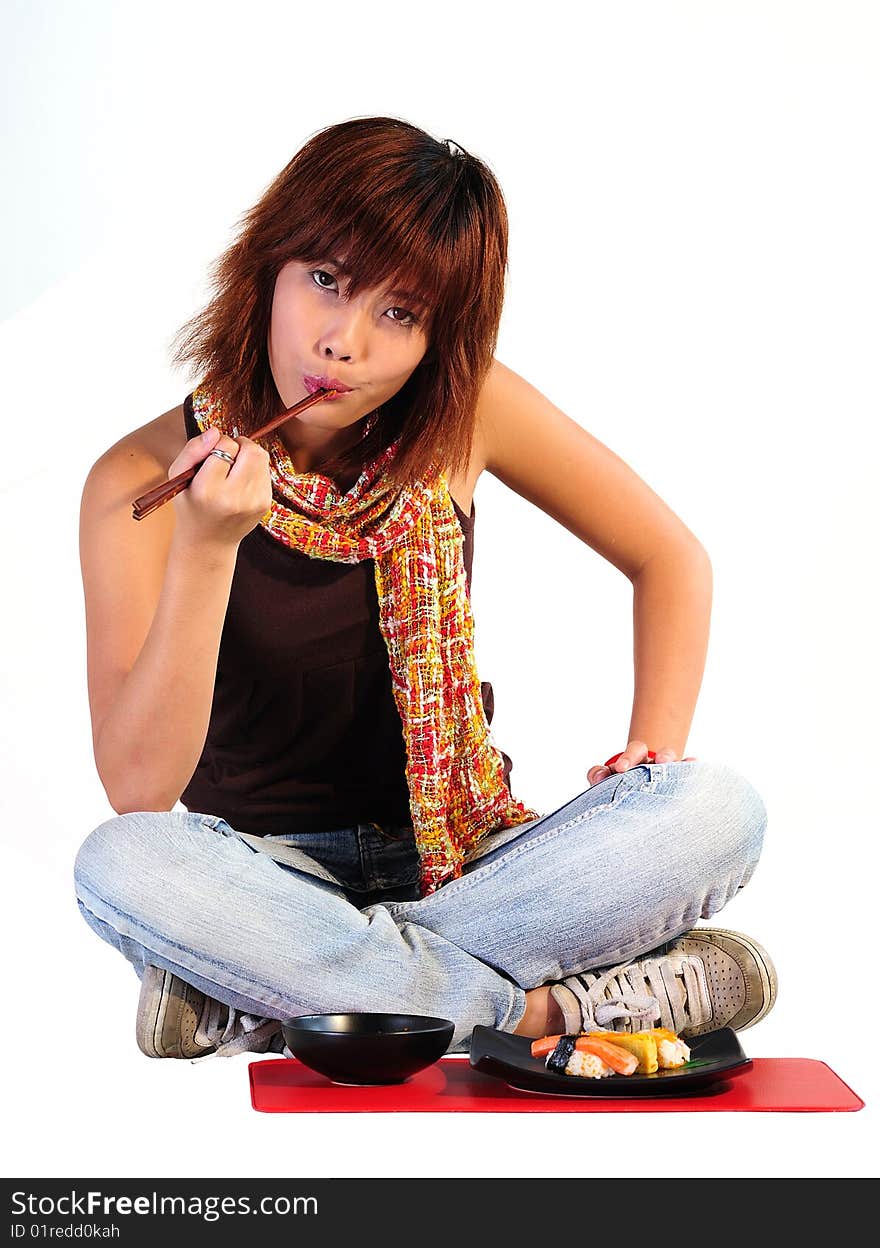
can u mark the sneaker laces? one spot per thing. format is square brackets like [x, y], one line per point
[232, 1031]
[627, 997]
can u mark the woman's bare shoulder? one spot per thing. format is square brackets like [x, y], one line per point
[137, 461]
[161, 439]
[149, 448]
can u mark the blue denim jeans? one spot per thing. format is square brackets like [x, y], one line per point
[334, 922]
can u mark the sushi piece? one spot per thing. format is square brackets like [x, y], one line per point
[656, 1049]
[671, 1050]
[613, 1055]
[560, 1055]
[672, 1053]
[642, 1045]
[546, 1044]
[565, 1059]
[587, 1066]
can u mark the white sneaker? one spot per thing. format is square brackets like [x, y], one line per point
[174, 1019]
[701, 981]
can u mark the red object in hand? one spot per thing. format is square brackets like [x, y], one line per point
[609, 762]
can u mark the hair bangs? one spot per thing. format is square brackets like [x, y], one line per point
[429, 275]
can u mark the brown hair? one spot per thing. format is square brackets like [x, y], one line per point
[396, 205]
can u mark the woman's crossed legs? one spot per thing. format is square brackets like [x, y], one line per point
[623, 867]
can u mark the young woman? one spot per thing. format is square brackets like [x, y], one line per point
[286, 649]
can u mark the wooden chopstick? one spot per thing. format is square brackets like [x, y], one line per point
[153, 499]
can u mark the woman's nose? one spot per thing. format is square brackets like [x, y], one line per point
[344, 336]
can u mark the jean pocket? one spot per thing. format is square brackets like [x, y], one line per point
[638, 779]
[653, 777]
[391, 863]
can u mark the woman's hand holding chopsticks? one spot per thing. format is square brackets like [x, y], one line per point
[147, 503]
[224, 499]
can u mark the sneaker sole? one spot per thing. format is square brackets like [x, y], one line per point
[166, 1002]
[760, 970]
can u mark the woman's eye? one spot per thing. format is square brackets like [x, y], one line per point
[322, 273]
[413, 319]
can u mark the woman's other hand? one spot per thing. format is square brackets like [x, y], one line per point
[635, 753]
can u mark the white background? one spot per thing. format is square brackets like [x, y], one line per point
[693, 195]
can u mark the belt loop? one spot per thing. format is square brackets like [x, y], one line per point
[385, 833]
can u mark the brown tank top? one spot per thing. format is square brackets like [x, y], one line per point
[304, 734]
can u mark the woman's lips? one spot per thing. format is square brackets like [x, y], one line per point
[325, 383]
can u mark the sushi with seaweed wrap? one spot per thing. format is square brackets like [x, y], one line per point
[570, 1058]
[558, 1059]
[583, 1055]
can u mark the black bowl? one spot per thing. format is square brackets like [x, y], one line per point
[367, 1048]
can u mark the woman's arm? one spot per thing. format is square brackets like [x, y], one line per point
[155, 606]
[672, 604]
[546, 457]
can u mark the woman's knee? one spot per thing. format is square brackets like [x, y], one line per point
[124, 848]
[732, 808]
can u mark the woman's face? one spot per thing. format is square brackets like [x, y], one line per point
[372, 343]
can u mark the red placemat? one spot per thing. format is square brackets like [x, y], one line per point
[774, 1084]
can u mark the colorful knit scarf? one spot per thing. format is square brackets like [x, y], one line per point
[455, 774]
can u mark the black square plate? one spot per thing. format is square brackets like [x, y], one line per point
[715, 1056]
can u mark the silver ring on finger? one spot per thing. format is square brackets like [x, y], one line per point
[223, 455]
